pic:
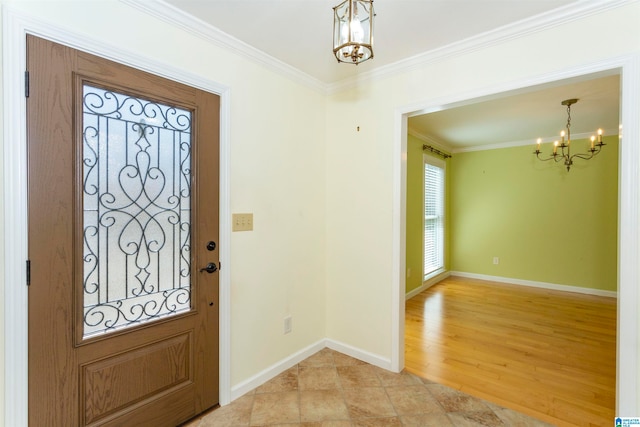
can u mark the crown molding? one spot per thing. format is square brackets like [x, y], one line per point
[449, 148]
[531, 142]
[518, 29]
[430, 140]
[199, 28]
[541, 22]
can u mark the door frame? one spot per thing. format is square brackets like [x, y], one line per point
[628, 329]
[15, 27]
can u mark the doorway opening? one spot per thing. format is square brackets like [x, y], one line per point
[627, 202]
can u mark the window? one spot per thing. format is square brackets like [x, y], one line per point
[433, 216]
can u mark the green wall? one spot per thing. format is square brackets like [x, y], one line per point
[415, 214]
[545, 224]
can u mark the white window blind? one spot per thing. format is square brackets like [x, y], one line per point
[433, 215]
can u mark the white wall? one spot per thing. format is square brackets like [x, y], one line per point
[362, 178]
[276, 168]
[359, 222]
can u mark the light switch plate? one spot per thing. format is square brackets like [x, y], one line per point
[242, 222]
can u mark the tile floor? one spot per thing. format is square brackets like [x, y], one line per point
[330, 389]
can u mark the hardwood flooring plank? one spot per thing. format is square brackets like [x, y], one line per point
[549, 354]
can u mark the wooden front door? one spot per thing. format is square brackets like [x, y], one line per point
[123, 233]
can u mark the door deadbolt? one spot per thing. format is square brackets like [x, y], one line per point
[211, 246]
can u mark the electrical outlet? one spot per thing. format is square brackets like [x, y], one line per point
[242, 222]
[287, 324]
[496, 260]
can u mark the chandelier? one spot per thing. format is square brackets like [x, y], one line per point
[353, 31]
[565, 145]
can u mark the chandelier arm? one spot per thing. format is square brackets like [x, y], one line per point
[592, 152]
[564, 158]
[562, 147]
[552, 157]
[585, 156]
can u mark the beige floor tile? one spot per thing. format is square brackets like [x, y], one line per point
[358, 376]
[192, 423]
[413, 400]
[368, 402]
[378, 422]
[340, 423]
[318, 378]
[476, 419]
[516, 419]
[322, 405]
[426, 381]
[390, 379]
[429, 420]
[322, 358]
[286, 381]
[344, 360]
[275, 408]
[236, 414]
[296, 425]
[330, 389]
[454, 400]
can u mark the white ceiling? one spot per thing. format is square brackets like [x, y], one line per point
[299, 33]
[515, 119]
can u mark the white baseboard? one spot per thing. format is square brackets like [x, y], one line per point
[275, 370]
[290, 361]
[359, 354]
[427, 284]
[543, 285]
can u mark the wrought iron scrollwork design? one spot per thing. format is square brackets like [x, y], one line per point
[136, 197]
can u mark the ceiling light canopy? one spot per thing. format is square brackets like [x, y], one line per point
[565, 156]
[353, 31]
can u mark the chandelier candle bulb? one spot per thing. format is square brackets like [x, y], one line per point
[593, 139]
[599, 135]
[357, 33]
[538, 142]
[555, 147]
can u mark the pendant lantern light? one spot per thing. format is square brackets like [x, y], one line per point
[353, 31]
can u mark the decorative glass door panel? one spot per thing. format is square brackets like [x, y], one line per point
[136, 195]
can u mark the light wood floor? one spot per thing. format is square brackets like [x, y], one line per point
[548, 354]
